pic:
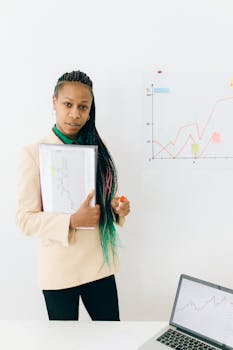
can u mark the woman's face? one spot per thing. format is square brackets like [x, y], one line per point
[72, 107]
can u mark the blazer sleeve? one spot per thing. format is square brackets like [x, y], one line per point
[30, 217]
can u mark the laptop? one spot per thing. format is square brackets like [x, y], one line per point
[201, 318]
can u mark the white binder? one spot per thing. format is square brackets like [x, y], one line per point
[67, 176]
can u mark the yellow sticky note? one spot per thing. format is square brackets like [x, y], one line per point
[231, 83]
[194, 148]
[53, 170]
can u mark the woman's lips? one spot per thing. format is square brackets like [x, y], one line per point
[73, 125]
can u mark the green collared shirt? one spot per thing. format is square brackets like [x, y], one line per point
[64, 138]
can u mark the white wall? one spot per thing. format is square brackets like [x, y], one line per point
[114, 42]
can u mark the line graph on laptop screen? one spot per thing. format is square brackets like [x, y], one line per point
[205, 310]
[187, 119]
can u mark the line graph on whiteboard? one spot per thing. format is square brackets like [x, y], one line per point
[187, 117]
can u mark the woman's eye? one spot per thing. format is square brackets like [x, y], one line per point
[67, 104]
[83, 107]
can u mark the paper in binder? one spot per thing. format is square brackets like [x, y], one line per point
[67, 176]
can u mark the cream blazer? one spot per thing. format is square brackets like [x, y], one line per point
[67, 257]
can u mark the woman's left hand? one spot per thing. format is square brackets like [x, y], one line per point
[119, 207]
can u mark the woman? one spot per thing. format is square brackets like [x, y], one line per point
[74, 262]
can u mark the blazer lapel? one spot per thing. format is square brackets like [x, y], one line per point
[51, 138]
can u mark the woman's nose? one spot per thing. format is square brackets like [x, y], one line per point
[74, 113]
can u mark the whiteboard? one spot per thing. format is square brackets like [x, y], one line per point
[186, 119]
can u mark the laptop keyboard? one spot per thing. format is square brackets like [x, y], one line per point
[177, 340]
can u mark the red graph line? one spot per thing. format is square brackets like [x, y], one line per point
[189, 137]
[205, 148]
[199, 133]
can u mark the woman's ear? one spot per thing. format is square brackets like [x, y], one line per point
[54, 102]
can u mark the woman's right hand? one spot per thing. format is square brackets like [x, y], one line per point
[86, 216]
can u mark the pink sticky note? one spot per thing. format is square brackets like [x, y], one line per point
[216, 137]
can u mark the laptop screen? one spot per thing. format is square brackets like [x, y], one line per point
[204, 309]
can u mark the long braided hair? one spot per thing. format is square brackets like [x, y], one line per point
[107, 184]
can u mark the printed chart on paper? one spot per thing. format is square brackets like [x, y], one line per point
[67, 174]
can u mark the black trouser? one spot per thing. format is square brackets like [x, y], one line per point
[99, 298]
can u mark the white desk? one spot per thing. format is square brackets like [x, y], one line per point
[72, 335]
